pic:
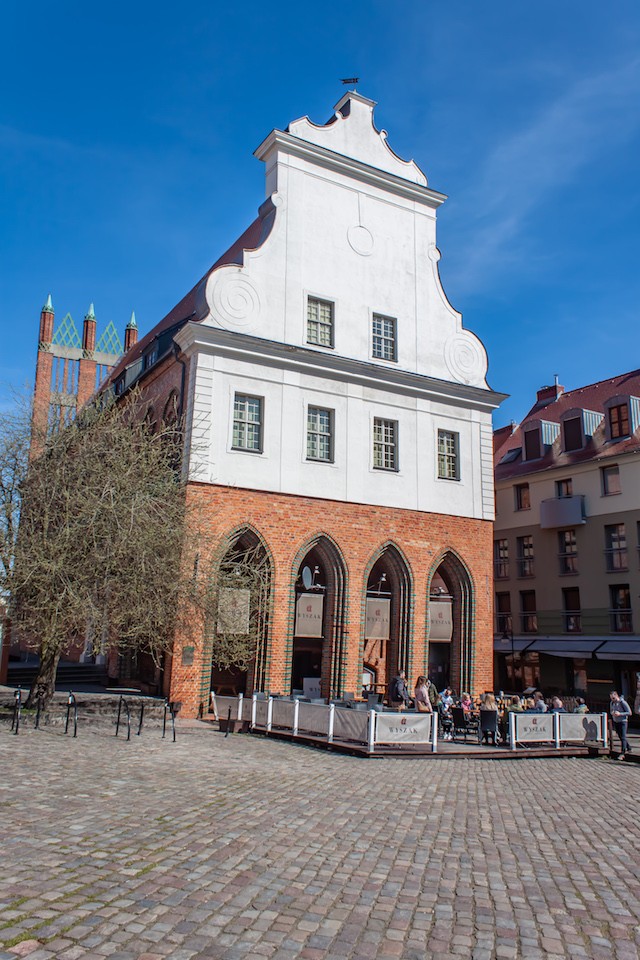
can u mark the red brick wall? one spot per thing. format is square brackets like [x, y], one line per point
[286, 523]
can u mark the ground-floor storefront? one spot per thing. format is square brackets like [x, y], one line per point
[588, 667]
[350, 594]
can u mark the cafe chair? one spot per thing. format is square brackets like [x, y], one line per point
[463, 723]
[488, 726]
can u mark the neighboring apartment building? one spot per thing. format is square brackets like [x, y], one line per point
[336, 419]
[566, 545]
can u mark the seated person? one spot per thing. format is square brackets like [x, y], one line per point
[446, 722]
[488, 705]
[580, 706]
[465, 703]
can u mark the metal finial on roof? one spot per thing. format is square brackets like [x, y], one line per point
[91, 314]
[48, 307]
[132, 325]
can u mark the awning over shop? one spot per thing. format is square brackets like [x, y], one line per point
[620, 649]
[578, 648]
[519, 644]
[602, 648]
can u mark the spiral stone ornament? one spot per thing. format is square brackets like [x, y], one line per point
[235, 301]
[465, 359]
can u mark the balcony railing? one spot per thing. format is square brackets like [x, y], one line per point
[568, 563]
[616, 558]
[572, 621]
[562, 512]
[621, 621]
[525, 567]
[591, 621]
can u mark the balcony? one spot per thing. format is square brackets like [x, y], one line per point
[525, 567]
[616, 559]
[562, 512]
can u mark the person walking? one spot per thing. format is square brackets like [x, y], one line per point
[620, 713]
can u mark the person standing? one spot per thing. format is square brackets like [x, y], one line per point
[620, 713]
[399, 694]
[421, 696]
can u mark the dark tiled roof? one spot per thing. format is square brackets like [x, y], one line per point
[591, 397]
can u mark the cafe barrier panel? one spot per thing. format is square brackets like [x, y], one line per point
[557, 728]
[368, 728]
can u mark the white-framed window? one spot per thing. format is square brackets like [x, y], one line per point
[319, 322]
[320, 434]
[247, 423]
[610, 480]
[384, 344]
[448, 455]
[385, 444]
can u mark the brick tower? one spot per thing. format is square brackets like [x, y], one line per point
[69, 368]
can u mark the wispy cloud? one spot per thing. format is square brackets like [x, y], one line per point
[595, 114]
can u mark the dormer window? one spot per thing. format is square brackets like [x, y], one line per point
[572, 434]
[532, 444]
[538, 435]
[619, 421]
[622, 416]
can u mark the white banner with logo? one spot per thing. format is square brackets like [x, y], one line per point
[440, 621]
[531, 727]
[309, 615]
[377, 619]
[403, 728]
[233, 611]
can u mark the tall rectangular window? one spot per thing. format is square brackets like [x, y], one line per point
[501, 559]
[523, 500]
[564, 488]
[385, 444]
[448, 459]
[319, 434]
[247, 423]
[620, 612]
[572, 431]
[619, 420]
[532, 444]
[567, 552]
[319, 322]
[615, 539]
[384, 345]
[528, 615]
[503, 613]
[525, 556]
[571, 608]
[610, 480]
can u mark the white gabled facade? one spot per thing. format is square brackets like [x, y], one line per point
[346, 223]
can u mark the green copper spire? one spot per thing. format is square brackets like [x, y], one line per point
[48, 307]
[91, 314]
[132, 325]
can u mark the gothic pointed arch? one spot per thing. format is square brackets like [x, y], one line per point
[449, 582]
[387, 615]
[317, 636]
[242, 578]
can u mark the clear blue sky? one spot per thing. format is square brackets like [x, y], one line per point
[127, 132]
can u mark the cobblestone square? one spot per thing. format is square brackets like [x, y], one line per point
[224, 849]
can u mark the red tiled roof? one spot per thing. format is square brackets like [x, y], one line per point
[185, 310]
[591, 397]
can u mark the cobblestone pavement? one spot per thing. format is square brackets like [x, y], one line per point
[223, 849]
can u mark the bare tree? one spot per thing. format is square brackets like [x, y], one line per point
[106, 538]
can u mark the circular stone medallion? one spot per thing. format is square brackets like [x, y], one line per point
[360, 240]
